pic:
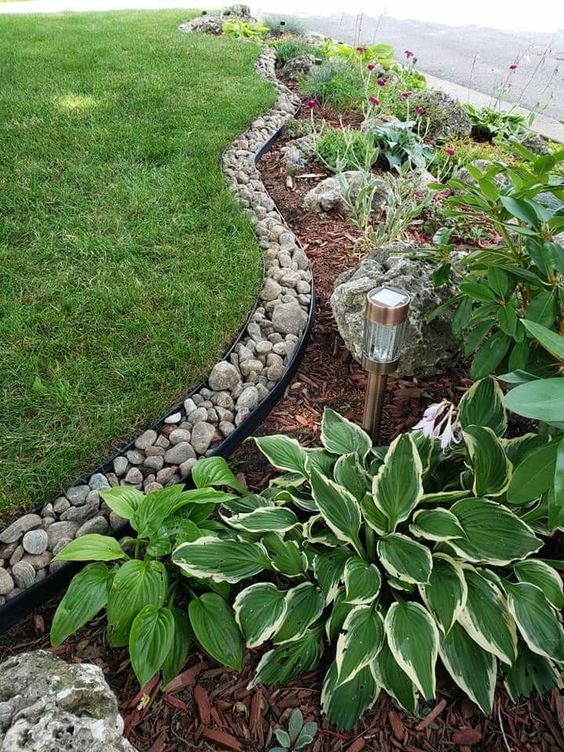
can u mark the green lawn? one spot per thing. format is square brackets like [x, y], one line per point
[125, 265]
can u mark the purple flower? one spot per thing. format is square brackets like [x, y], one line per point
[420, 110]
[406, 94]
[371, 66]
[450, 151]
[381, 81]
[513, 66]
[409, 53]
[440, 421]
[311, 103]
[374, 100]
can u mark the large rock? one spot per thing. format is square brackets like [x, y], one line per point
[379, 122]
[298, 153]
[428, 348]
[203, 25]
[47, 705]
[298, 67]
[330, 193]
[443, 116]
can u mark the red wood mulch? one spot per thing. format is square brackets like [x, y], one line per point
[208, 707]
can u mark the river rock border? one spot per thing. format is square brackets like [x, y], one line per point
[235, 388]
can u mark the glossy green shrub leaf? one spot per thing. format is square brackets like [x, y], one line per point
[490, 355]
[344, 704]
[260, 610]
[86, 595]
[533, 475]
[542, 575]
[405, 558]
[150, 640]
[551, 341]
[123, 500]
[348, 472]
[92, 547]
[304, 605]
[359, 642]
[417, 655]
[542, 399]
[482, 405]
[283, 452]
[341, 609]
[536, 620]
[436, 524]
[362, 581]
[178, 653]
[492, 470]
[215, 629]
[286, 662]
[471, 667]
[340, 436]
[221, 560]
[214, 471]
[339, 507]
[446, 592]
[398, 486]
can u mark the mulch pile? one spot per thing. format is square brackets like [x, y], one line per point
[210, 708]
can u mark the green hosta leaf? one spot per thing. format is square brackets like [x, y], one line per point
[521, 208]
[300, 497]
[482, 405]
[178, 653]
[413, 638]
[283, 452]
[362, 581]
[304, 605]
[445, 593]
[542, 575]
[86, 595]
[339, 508]
[136, 584]
[340, 436]
[542, 399]
[493, 533]
[348, 472]
[491, 468]
[316, 531]
[486, 619]
[286, 662]
[260, 610]
[519, 447]
[344, 704]
[533, 475]
[405, 558]
[221, 560]
[398, 487]
[536, 620]
[559, 475]
[530, 672]
[471, 667]
[214, 471]
[155, 507]
[286, 557]
[341, 609]
[150, 640]
[394, 680]
[123, 500]
[264, 520]
[329, 567]
[92, 547]
[359, 642]
[215, 629]
[551, 341]
[436, 524]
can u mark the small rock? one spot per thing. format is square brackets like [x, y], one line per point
[248, 400]
[179, 453]
[146, 439]
[178, 436]
[60, 545]
[189, 406]
[58, 531]
[186, 467]
[17, 555]
[116, 521]
[289, 318]
[79, 514]
[154, 463]
[6, 582]
[174, 418]
[40, 560]
[77, 495]
[35, 541]
[15, 531]
[23, 574]
[270, 290]
[164, 475]
[61, 504]
[226, 428]
[135, 456]
[163, 442]
[95, 525]
[98, 482]
[134, 477]
[223, 375]
[120, 466]
[202, 437]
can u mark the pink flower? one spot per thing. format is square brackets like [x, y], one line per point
[409, 53]
[450, 151]
[381, 81]
[406, 94]
[420, 110]
[312, 103]
[370, 66]
[374, 100]
[361, 50]
[513, 66]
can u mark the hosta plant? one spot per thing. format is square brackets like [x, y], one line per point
[393, 559]
[150, 605]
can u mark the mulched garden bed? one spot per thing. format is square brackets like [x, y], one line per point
[209, 707]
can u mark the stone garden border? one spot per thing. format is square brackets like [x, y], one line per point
[215, 417]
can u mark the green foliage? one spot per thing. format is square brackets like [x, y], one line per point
[401, 145]
[405, 204]
[295, 128]
[506, 292]
[410, 553]
[240, 29]
[345, 149]
[279, 25]
[298, 736]
[378, 54]
[336, 83]
[289, 48]
[143, 593]
[466, 151]
[495, 124]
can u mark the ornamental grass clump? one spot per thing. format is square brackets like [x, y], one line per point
[390, 560]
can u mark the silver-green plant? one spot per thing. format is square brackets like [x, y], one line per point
[405, 204]
[299, 735]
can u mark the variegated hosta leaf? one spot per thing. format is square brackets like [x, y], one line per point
[443, 497]
[394, 679]
[470, 666]
[341, 609]
[344, 704]
[300, 497]
[429, 450]
[405, 558]
[304, 605]
[286, 556]
[530, 672]
[534, 475]
[315, 530]
[397, 584]
[339, 508]
[319, 459]
[374, 517]
[359, 641]
[221, 560]
[283, 452]
[286, 662]
[486, 619]
[542, 575]
[492, 470]
[340, 436]
[263, 520]
[436, 524]
[398, 487]
[348, 472]
[260, 610]
[445, 593]
[493, 534]
[362, 581]
[413, 638]
[248, 503]
[482, 405]
[536, 620]
[328, 567]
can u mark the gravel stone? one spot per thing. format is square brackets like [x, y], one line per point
[223, 376]
[189, 406]
[15, 531]
[174, 418]
[202, 437]
[35, 541]
[98, 482]
[77, 495]
[134, 477]
[146, 439]
[23, 574]
[179, 453]
[64, 530]
[40, 561]
[79, 514]
[164, 475]
[178, 436]
[154, 463]
[226, 427]
[248, 399]
[120, 466]
[60, 545]
[6, 582]
[289, 318]
[61, 505]
[135, 457]
[186, 467]
[95, 525]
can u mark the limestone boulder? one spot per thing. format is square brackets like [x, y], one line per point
[333, 192]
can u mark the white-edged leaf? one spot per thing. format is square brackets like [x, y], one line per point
[490, 465]
[264, 520]
[286, 662]
[436, 524]
[286, 556]
[329, 567]
[339, 612]
[340, 436]
[348, 472]
[471, 667]
[344, 704]
[413, 638]
[373, 516]
[339, 508]
[362, 581]
[445, 593]
[304, 605]
[391, 677]
[259, 610]
[482, 405]
[542, 575]
[405, 559]
[283, 452]
[360, 640]
[536, 620]
[398, 486]
[221, 560]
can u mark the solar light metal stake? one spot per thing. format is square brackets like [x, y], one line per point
[384, 325]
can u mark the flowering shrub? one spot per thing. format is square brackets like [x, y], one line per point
[393, 557]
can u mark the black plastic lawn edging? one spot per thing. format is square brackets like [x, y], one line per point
[34, 596]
